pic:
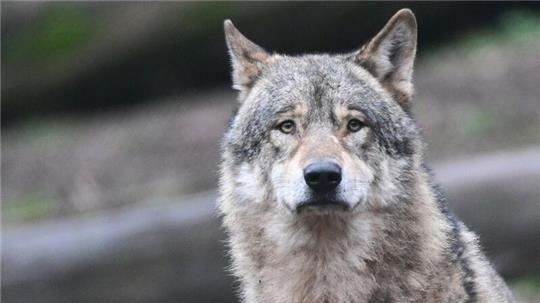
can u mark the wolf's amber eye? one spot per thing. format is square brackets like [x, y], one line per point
[287, 127]
[354, 125]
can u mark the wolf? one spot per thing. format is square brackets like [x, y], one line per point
[324, 193]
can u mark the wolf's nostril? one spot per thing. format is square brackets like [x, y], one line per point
[311, 178]
[322, 176]
[334, 176]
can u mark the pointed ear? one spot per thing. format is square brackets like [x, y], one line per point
[247, 58]
[389, 56]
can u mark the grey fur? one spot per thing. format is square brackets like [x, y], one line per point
[396, 241]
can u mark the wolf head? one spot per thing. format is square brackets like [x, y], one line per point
[322, 133]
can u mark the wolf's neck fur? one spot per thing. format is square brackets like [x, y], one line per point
[388, 253]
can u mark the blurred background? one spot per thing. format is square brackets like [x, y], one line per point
[112, 114]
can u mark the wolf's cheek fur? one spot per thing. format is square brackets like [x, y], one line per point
[391, 183]
[374, 175]
[357, 179]
[250, 184]
[288, 184]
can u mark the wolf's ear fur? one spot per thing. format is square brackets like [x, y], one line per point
[247, 58]
[389, 56]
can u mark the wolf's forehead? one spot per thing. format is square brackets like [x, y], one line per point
[319, 82]
[307, 73]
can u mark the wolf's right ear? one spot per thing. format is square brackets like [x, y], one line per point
[247, 59]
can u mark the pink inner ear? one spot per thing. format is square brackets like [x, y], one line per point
[260, 56]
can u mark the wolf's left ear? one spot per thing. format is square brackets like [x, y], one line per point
[247, 58]
[389, 56]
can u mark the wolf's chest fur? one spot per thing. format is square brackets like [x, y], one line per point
[360, 258]
[324, 192]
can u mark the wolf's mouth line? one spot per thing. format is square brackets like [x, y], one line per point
[323, 204]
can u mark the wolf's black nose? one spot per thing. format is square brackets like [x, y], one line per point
[322, 176]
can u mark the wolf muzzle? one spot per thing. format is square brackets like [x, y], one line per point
[322, 177]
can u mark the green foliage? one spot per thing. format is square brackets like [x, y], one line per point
[521, 25]
[47, 133]
[478, 122]
[59, 33]
[29, 207]
[513, 26]
[516, 26]
[528, 283]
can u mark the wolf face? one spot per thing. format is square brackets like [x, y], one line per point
[323, 133]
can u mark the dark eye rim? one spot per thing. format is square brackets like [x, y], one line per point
[281, 125]
[359, 125]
